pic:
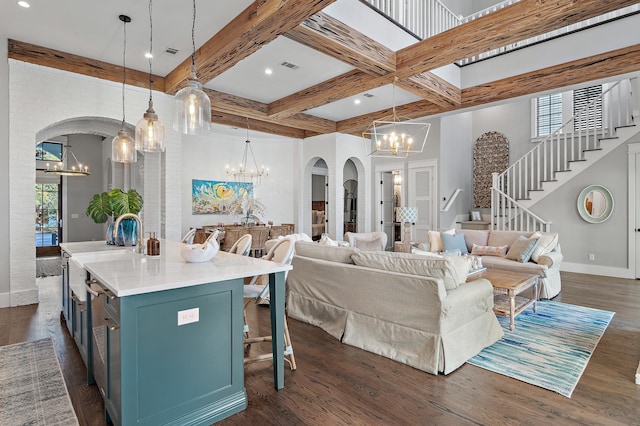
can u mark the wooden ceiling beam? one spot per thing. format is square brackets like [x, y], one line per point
[617, 62]
[224, 102]
[348, 84]
[326, 34]
[432, 88]
[227, 119]
[517, 22]
[418, 109]
[260, 23]
[57, 59]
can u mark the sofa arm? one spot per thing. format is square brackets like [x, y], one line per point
[467, 294]
[551, 260]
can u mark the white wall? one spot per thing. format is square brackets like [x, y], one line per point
[77, 226]
[206, 158]
[40, 97]
[5, 281]
[456, 166]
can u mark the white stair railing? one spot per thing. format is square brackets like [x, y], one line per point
[508, 215]
[423, 18]
[564, 146]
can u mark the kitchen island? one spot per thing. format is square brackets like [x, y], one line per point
[167, 334]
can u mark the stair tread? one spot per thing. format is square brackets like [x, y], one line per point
[553, 180]
[576, 161]
[592, 149]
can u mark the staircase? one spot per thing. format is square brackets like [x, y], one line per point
[560, 157]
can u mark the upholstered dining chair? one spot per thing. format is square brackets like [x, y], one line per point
[367, 241]
[242, 246]
[282, 252]
[231, 235]
[260, 235]
[188, 237]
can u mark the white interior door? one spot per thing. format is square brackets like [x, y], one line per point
[386, 188]
[422, 194]
[637, 214]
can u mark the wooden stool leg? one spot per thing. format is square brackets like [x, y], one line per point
[288, 350]
[245, 328]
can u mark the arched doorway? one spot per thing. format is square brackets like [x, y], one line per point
[350, 202]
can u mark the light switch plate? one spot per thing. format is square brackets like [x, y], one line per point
[188, 316]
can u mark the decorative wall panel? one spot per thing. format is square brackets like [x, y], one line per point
[490, 155]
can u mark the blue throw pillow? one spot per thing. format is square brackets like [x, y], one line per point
[454, 242]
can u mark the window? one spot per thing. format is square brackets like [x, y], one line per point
[583, 98]
[49, 151]
[548, 114]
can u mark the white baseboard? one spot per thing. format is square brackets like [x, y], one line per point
[607, 271]
[5, 300]
[24, 297]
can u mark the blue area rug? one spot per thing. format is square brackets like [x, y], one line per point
[549, 348]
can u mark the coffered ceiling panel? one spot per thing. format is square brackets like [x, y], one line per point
[294, 67]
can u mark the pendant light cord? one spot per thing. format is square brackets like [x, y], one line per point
[193, 37]
[150, 47]
[124, 68]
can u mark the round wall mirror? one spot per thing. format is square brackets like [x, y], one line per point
[595, 204]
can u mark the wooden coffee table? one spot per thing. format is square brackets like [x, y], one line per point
[507, 286]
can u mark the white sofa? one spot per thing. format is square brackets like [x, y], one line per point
[546, 265]
[367, 241]
[406, 307]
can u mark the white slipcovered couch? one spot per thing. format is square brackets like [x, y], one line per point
[402, 306]
[545, 262]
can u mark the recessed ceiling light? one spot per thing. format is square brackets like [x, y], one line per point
[268, 71]
[148, 55]
[24, 4]
[356, 101]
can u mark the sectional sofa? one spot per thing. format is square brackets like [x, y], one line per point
[403, 306]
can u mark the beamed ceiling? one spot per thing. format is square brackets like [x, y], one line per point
[360, 63]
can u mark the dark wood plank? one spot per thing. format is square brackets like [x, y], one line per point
[338, 384]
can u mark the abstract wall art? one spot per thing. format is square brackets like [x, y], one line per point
[219, 197]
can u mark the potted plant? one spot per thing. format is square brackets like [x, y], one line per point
[112, 204]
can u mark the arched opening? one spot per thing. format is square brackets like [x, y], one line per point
[61, 201]
[350, 202]
[319, 199]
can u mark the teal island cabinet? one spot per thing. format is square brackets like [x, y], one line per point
[167, 335]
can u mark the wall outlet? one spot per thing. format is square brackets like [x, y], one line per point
[188, 316]
[592, 257]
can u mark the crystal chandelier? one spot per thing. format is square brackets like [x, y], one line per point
[123, 147]
[62, 168]
[150, 130]
[192, 105]
[395, 136]
[246, 173]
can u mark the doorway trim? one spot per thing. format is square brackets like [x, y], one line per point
[379, 170]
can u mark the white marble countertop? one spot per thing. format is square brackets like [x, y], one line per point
[91, 246]
[126, 273]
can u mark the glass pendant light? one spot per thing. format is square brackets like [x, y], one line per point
[123, 147]
[150, 130]
[193, 107]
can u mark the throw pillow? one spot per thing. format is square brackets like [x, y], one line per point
[454, 242]
[522, 248]
[546, 244]
[326, 241]
[489, 250]
[435, 242]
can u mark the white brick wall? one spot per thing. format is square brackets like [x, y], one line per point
[40, 97]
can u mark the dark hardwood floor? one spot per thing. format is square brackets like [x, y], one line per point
[337, 384]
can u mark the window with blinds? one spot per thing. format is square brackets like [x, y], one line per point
[548, 114]
[591, 117]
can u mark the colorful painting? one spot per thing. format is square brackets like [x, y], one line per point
[218, 197]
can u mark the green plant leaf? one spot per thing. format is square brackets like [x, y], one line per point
[125, 202]
[99, 208]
